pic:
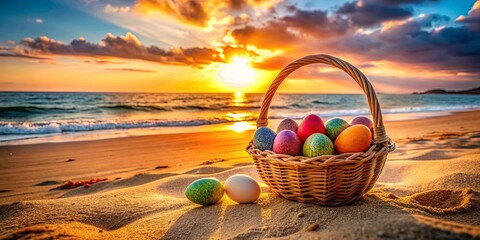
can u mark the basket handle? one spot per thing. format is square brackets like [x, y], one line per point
[379, 134]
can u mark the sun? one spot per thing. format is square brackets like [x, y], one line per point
[238, 73]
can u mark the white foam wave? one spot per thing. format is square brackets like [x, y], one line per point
[13, 128]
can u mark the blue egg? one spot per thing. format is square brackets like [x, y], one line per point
[263, 138]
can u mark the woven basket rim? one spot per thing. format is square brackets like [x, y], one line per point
[324, 160]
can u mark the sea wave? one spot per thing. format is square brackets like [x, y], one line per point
[25, 111]
[32, 109]
[322, 102]
[27, 128]
[14, 112]
[148, 108]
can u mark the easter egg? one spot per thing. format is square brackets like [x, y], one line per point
[287, 142]
[205, 191]
[311, 124]
[242, 188]
[318, 144]
[287, 124]
[362, 120]
[334, 127]
[356, 138]
[263, 138]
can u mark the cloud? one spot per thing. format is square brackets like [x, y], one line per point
[364, 33]
[297, 25]
[187, 11]
[203, 13]
[116, 9]
[401, 2]
[132, 70]
[35, 20]
[231, 51]
[291, 29]
[20, 55]
[273, 35]
[316, 23]
[236, 4]
[410, 42]
[366, 65]
[370, 13]
[473, 18]
[242, 19]
[17, 52]
[102, 61]
[274, 63]
[288, 31]
[126, 47]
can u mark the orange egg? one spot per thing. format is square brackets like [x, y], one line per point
[356, 138]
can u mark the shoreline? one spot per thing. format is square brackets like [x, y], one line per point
[230, 126]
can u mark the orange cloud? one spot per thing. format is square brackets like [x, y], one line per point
[272, 36]
[201, 12]
[132, 70]
[188, 11]
[126, 47]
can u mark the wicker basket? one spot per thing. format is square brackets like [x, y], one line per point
[331, 179]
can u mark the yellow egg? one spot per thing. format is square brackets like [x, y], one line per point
[242, 188]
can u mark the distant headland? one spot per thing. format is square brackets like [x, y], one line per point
[443, 91]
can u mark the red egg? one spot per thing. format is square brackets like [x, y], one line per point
[287, 142]
[311, 124]
[363, 121]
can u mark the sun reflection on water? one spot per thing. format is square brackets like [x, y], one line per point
[239, 99]
[238, 116]
[240, 119]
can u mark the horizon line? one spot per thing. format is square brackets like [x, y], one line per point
[303, 93]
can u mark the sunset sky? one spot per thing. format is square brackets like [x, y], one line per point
[236, 45]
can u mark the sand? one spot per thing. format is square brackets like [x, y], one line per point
[429, 189]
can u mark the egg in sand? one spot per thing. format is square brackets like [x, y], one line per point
[242, 188]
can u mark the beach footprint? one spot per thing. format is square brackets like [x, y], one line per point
[443, 201]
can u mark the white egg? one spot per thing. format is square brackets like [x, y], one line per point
[242, 188]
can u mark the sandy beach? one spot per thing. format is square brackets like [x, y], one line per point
[131, 119]
[429, 189]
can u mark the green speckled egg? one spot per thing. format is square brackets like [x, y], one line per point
[334, 127]
[318, 144]
[205, 191]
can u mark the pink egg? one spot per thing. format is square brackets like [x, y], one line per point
[311, 124]
[363, 121]
[287, 142]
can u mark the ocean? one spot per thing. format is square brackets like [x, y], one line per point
[62, 116]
